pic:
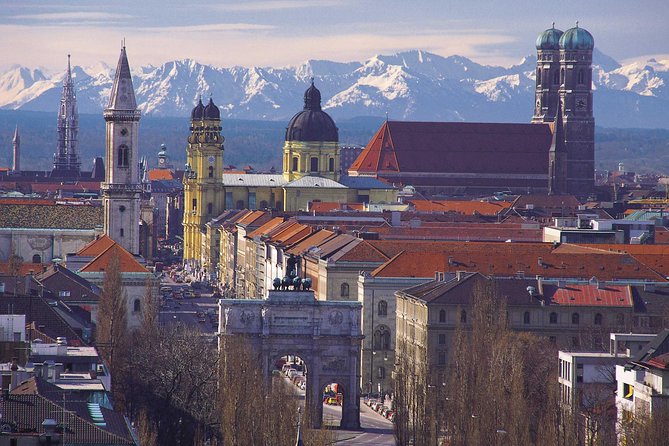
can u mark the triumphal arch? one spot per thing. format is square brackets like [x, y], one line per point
[326, 335]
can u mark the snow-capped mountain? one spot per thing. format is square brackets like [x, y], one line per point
[414, 85]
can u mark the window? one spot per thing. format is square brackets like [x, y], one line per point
[252, 200]
[63, 293]
[575, 318]
[538, 76]
[314, 164]
[598, 319]
[463, 317]
[136, 306]
[263, 205]
[331, 165]
[121, 232]
[228, 200]
[581, 77]
[526, 318]
[442, 316]
[441, 358]
[381, 373]
[556, 77]
[194, 204]
[210, 208]
[442, 339]
[37, 258]
[382, 338]
[211, 171]
[383, 308]
[552, 339]
[295, 163]
[123, 156]
[344, 290]
[553, 318]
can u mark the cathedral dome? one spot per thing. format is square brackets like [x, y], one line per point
[312, 123]
[211, 111]
[577, 39]
[549, 39]
[198, 111]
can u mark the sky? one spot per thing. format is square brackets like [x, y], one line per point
[225, 33]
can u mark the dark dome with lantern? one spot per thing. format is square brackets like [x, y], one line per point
[198, 111]
[312, 123]
[211, 111]
[549, 39]
[577, 39]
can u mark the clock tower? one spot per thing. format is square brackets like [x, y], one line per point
[203, 189]
[121, 190]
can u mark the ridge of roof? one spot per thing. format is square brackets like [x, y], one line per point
[127, 262]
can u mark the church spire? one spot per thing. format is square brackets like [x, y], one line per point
[66, 159]
[122, 94]
[16, 146]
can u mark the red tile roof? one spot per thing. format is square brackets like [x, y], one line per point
[127, 262]
[461, 207]
[591, 295]
[160, 174]
[326, 206]
[313, 240]
[456, 147]
[264, 229]
[96, 247]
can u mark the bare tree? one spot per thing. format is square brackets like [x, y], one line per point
[111, 336]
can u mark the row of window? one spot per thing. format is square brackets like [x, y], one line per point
[313, 164]
[559, 76]
[552, 318]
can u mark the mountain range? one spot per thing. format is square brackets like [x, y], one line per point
[412, 85]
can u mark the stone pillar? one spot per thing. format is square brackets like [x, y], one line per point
[350, 412]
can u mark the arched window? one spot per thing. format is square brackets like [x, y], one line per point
[575, 318]
[295, 164]
[556, 77]
[382, 338]
[538, 76]
[598, 319]
[344, 290]
[136, 306]
[121, 232]
[562, 76]
[210, 208]
[240, 204]
[263, 204]
[331, 164]
[553, 318]
[314, 164]
[37, 258]
[442, 316]
[463, 316]
[581, 77]
[211, 171]
[123, 156]
[526, 317]
[383, 308]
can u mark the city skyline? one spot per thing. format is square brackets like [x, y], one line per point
[289, 32]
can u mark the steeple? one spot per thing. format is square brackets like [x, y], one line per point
[123, 94]
[557, 156]
[66, 159]
[16, 146]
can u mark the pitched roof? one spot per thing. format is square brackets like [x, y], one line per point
[456, 147]
[127, 262]
[589, 295]
[160, 174]
[314, 240]
[41, 312]
[461, 207]
[96, 247]
[265, 228]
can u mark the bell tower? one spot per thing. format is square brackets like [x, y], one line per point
[204, 197]
[576, 46]
[122, 188]
[547, 75]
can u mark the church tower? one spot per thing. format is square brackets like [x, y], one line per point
[312, 141]
[576, 46]
[122, 189]
[66, 162]
[204, 196]
[547, 75]
[16, 151]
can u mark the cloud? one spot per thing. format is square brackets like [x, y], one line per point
[276, 5]
[80, 15]
[213, 27]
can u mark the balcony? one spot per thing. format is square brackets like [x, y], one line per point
[120, 187]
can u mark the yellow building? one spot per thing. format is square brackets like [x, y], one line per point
[203, 190]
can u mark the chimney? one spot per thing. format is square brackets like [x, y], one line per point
[14, 380]
[451, 261]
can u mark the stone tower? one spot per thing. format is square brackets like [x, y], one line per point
[564, 82]
[204, 197]
[16, 151]
[66, 163]
[122, 189]
[312, 141]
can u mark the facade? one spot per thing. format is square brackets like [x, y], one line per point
[121, 191]
[554, 154]
[66, 163]
[203, 190]
[325, 335]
